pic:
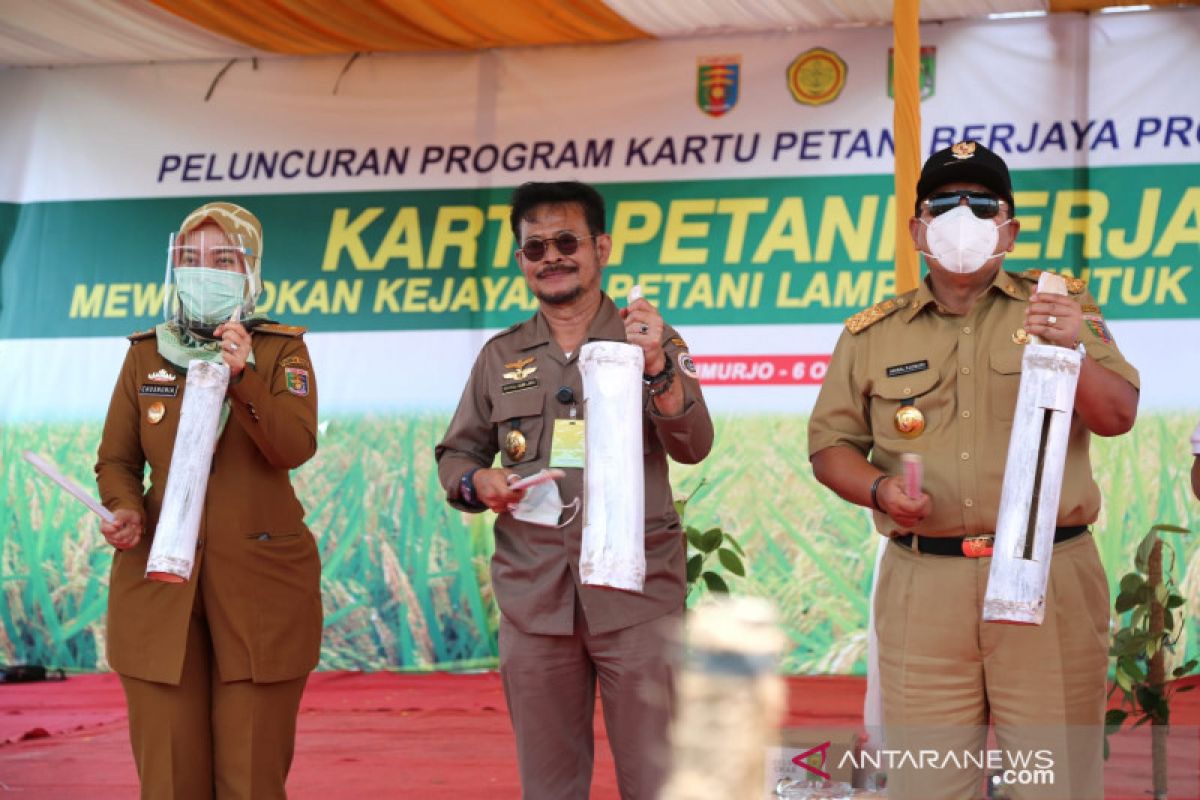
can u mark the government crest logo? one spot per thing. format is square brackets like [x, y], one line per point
[717, 84]
[816, 77]
[928, 76]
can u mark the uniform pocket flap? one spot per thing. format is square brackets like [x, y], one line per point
[518, 404]
[903, 387]
[1007, 361]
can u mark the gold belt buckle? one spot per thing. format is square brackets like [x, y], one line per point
[978, 546]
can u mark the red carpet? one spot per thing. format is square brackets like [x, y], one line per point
[415, 736]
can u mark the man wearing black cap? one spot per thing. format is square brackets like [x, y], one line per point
[936, 372]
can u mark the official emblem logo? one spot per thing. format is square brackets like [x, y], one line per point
[963, 150]
[296, 381]
[161, 376]
[928, 72]
[816, 77]
[717, 81]
[520, 369]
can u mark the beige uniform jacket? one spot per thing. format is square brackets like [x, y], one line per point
[535, 570]
[256, 563]
[963, 374]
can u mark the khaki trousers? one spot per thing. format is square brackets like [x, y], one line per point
[205, 738]
[945, 673]
[550, 686]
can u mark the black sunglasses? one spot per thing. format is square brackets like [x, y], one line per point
[566, 242]
[982, 204]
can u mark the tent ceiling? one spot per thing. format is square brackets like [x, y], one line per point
[40, 33]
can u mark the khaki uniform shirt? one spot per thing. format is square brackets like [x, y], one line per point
[257, 565]
[535, 570]
[963, 373]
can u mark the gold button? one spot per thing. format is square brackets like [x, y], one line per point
[966, 414]
[967, 330]
[966, 370]
[965, 456]
[907, 390]
[968, 502]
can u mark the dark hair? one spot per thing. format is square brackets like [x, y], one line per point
[528, 196]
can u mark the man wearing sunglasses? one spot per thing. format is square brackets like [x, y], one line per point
[558, 638]
[936, 372]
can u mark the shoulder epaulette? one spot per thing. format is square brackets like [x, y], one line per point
[280, 329]
[1074, 285]
[869, 316]
[137, 337]
[506, 331]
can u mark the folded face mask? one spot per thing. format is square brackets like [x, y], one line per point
[543, 505]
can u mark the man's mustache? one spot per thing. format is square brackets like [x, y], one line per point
[557, 269]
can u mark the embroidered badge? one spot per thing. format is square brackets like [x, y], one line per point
[155, 413]
[509, 388]
[678, 342]
[158, 389]
[294, 361]
[687, 366]
[162, 376]
[297, 381]
[1098, 327]
[520, 369]
[963, 150]
[907, 369]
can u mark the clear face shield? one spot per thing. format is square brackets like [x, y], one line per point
[208, 280]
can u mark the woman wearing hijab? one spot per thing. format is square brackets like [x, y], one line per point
[213, 667]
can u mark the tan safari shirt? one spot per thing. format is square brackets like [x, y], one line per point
[257, 567]
[963, 374]
[535, 569]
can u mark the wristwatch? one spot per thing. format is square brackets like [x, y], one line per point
[466, 489]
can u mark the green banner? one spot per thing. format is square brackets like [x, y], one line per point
[763, 251]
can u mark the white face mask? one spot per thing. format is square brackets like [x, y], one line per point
[543, 505]
[962, 242]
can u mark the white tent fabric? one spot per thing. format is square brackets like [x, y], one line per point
[674, 18]
[40, 33]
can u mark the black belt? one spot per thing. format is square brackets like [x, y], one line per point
[970, 546]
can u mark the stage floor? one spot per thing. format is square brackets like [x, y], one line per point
[427, 736]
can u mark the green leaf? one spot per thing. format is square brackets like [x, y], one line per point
[1131, 583]
[695, 538]
[1187, 688]
[1174, 601]
[1114, 717]
[1169, 529]
[1161, 593]
[680, 505]
[1168, 620]
[731, 562]
[1132, 669]
[1123, 681]
[710, 540]
[1125, 601]
[733, 543]
[694, 565]
[714, 583]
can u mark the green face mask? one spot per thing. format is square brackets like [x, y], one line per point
[210, 296]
